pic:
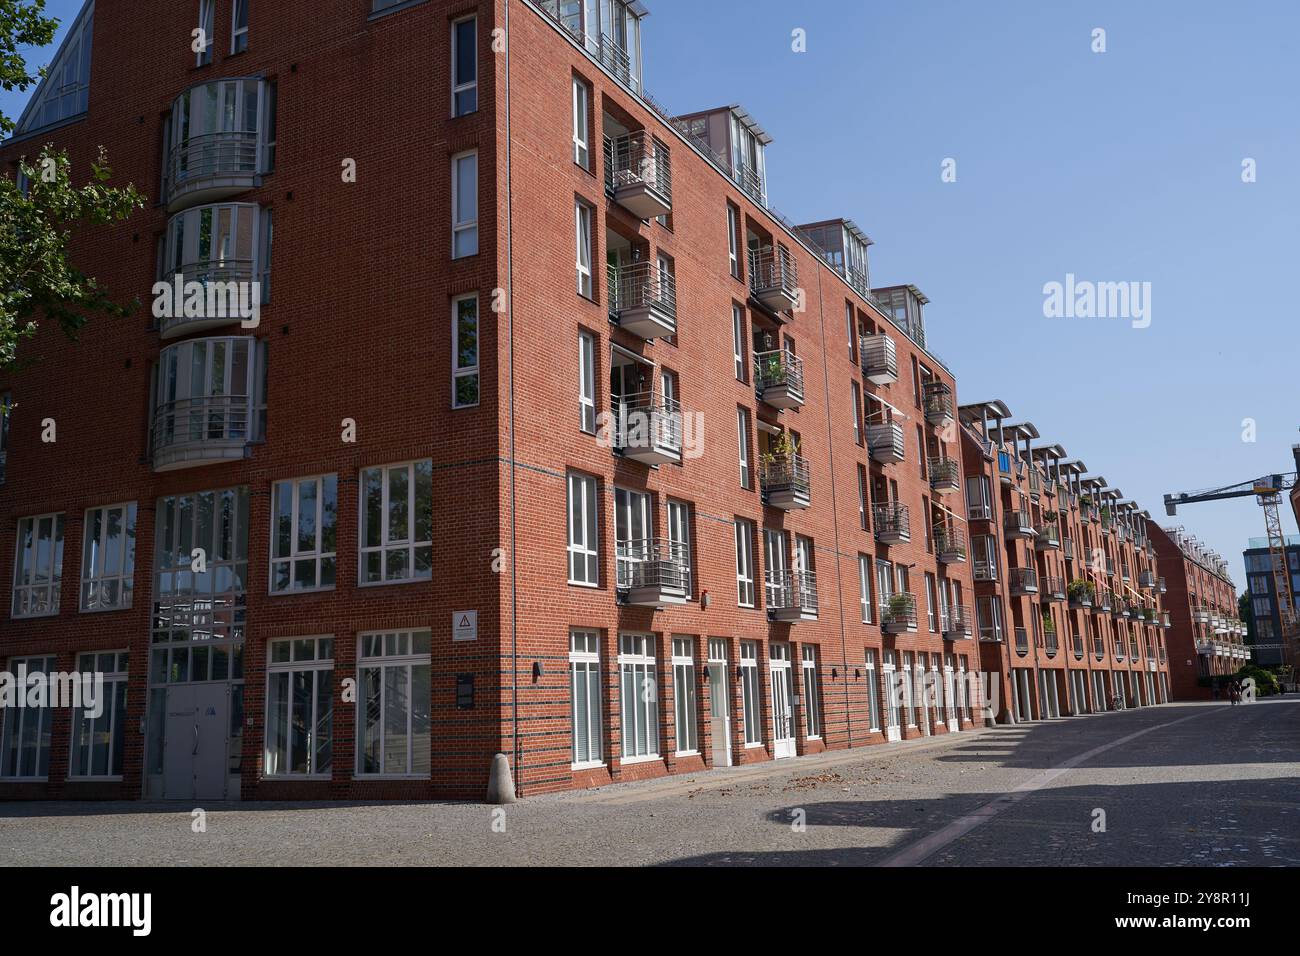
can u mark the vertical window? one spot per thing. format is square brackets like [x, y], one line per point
[638, 691]
[857, 412]
[738, 343]
[304, 515]
[733, 231]
[812, 701]
[393, 706]
[38, 566]
[582, 218]
[873, 693]
[862, 497]
[929, 602]
[584, 553]
[299, 707]
[750, 695]
[108, 558]
[581, 133]
[864, 587]
[239, 27]
[25, 738]
[908, 690]
[464, 66]
[744, 563]
[397, 523]
[633, 529]
[207, 24]
[464, 205]
[585, 697]
[893, 683]
[849, 323]
[742, 432]
[464, 367]
[679, 540]
[587, 382]
[98, 743]
[684, 694]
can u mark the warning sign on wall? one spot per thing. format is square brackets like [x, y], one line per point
[464, 626]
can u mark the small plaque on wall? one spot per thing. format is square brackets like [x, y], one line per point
[464, 691]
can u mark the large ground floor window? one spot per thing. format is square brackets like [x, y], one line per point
[639, 694]
[25, 737]
[393, 705]
[98, 743]
[299, 707]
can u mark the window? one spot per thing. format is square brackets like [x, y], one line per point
[873, 693]
[585, 698]
[394, 703]
[907, 690]
[397, 523]
[239, 27]
[812, 702]
[744, 563]
[893, 683]
[679, 540]
[639, 695]
[581, 131]
[38, 566]
[587, 382]
[774, 567]
[108, 558]
[684, 695]
[738, 343]
[464, 367]
[65, 91]
[862, 497]
[25, 739]
[584, 540]
[464, 204]
[98, 742]
[300, 707]
[742, 432]
[733, 231]
[207, 24]
[864, 587]
[929, 603]
[849, 323]
[582, 218]
[464, 66]
[632, 533]
[857, 412]
[304, 514]
[749, 685]
[988, 613]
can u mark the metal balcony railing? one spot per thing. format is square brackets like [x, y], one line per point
[773, 276]
[1076, 644]
[779, 371]
[200, 429]
[950, 543]
[647, 420]
[643, 287]
[1050, 643]
[1054, 587]
[792, 590]
[891, 522]
[886, 442]
[898, 613]
[1146, 579]
[938, 408]
[211, 156]
[1018, 524]
[1023, 580]
[985, 569]
[1035, 484]
[1022, 641]
[784, 472]
[1048, 537]
[1067, 548]
[635, 162]
[945, 473]
[956, 621]
[879, 358]
[653, 563]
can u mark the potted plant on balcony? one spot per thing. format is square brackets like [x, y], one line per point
[771, 369]
[1049, 626]
[898, 608]
[1081, 592]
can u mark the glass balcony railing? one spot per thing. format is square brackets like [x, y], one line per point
[221, 139]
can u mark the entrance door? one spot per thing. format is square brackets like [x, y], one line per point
[782, 703]
[719, 714]
[195, 742]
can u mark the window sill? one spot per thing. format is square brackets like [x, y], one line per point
[296, 591]
[4, 780]
[117, 779]
[757, 746]
[391, 776]
[386, 584]
[589, 765]
[33, 617]
[687, 753]
[288, 777]
[649, 758]
[584, 585]
[103, 610]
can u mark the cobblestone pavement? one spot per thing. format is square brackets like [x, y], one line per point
[1182, 784]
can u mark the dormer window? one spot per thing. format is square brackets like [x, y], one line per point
[65, 91]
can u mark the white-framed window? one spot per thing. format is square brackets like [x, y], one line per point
[98, 743]
[585, 698]
[751, 693]
[988, 615]
[304, 534]
[733, 231]
[679, 540]
[639, 696]
[857, 412]
[850, 326]
[584, 536]
[299, 707]
[744, 563]
[239, 26]
[464, 205]
[863, 497]
[587, 382]
[581, 124]
[108, 558]
[582, 244]
[873, 693]
[38, 566]
[464, 362]
[684, 695]
[812, 698]
[738, 343]
[930, 603]
[864, 587]
[207, 24]
[397, 523]
[464, 66]
[742, 436]
[25, 738]
[909, 692]
[893, 683]
[633, 529]
[393, 704]
[774, 565]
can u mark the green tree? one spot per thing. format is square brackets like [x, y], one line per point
[38, 280]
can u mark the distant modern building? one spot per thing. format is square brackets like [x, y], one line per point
[1263, 595]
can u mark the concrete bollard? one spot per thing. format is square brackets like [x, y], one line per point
[501, 785]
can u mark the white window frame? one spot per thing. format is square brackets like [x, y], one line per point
[733, 230]
[930, 603]
[467, 225]
[386, 544]
[812, 710]
[459, 371]
[636, 658]
[744, 563]
[873, 692]
[679, 539]
[321, 667]
[382, 662]
[587, 382]
[738, 342]
[858, 432]
[581, 123]
[582, 216]
[93, 578]
[236, 32]
[25, 583]
[751, 695]
[14, 724]
[685, 698]
[208, 24]
[584, 665]
[110, 719]
[456, 90]
[864, 587]
[584, 496]
[742, 436]
[318, 555]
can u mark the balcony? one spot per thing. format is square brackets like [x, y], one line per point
[639, 174]
[778, 379]
[1110, 567]
[1022, 641]
[1161, 586]
[957, 624]
[221, 247]
[1082, 595]
[207, 409]
[1165, 620]
[1035, 484]
[653, 572]
[1201, 615]
[1050, 643]
[1024, 581]
[218, 141]
[985, 569]
[1048, 536]
[643, 300]
[950, 544]
[1087, 512]
[1067, 548]
[648, 428]
[938, 404]
[774, 279]
[1205, 647]
[1054, 588]
[1106, 601]
[1017, 524]
[945, 474]
[879, 359]
[1147, 580]
[886, 443]
[891, 523]
[898, 614]
[791, 596]
[784, 480]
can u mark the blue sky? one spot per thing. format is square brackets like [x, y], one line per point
[1116, 166]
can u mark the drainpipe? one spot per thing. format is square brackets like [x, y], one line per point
[515, 748]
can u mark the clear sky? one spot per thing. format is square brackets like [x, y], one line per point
[1117, 166]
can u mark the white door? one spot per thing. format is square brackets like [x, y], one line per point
[893, 691]
[719, 714]
[782, 703]
[196, 742]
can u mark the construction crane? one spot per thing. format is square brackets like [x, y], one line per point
[1268, 491]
